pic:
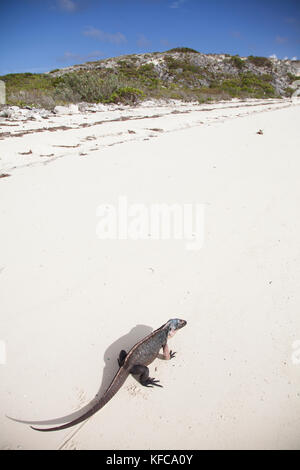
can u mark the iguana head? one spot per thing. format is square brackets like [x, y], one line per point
[174, 325]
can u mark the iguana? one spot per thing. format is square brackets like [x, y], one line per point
[134, 362]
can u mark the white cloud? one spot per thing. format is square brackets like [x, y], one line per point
[94, 55]
[177, 3]
[67, 56]
[143, 41]
[165, 42]
[67, 5]
[274, 56]
[236, 34]
[281, 39]
[71, 56]
[291, 20]
[116, 38]
[287, 58]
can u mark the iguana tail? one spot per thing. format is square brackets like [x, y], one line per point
[115, 385]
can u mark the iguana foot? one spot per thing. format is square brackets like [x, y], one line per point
[172, 354]
[144, 378]
[150, 382]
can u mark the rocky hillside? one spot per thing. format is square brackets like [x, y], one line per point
[180, 73]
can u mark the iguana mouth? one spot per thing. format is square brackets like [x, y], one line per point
[182, 323]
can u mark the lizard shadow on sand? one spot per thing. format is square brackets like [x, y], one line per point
[111, 367]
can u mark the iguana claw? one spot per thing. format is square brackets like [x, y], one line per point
[150, 382]
[172, 354]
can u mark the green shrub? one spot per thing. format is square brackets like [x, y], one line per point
[184, 65]
[126, 95]
[80, 86]
[214, 83]
[183, 49]
[237, 62]
[29, 89]
[266, 77]
[128, 70]
[77, 86]
[292, 77]
[250, 84]
[260, 61]
[147, 69]
[109, 85]
[34, 98]
[28, 81]
[148, 76]
[289, 91]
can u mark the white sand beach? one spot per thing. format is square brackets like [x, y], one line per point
[71, 301]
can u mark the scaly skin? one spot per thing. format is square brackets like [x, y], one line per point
[135, 362]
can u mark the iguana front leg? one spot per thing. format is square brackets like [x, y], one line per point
[167, 354]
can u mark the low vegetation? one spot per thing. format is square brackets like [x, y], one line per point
[260, 61]
[249, 84]
[126, 95]
[180, 73]
[289, 91]
[237, 62]
[292, 78]
[183, 49]
[27, 88]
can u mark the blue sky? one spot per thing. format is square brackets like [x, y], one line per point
[41, 35]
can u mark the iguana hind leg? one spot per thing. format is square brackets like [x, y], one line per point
[144, 378]
[122, 357]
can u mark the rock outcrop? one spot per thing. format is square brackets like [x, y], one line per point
[167, 67]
